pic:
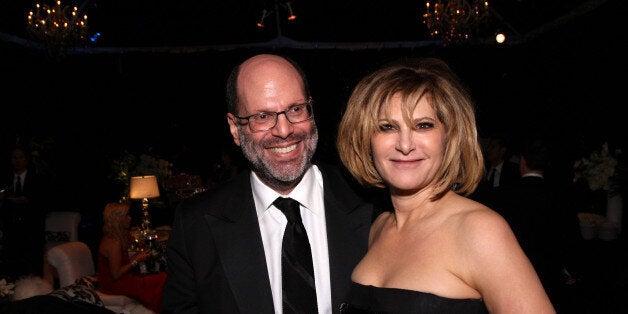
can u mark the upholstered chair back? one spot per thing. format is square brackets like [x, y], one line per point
[72, 260]
[61, 226]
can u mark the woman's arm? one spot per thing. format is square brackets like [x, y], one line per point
[498, 267]
[113, 252]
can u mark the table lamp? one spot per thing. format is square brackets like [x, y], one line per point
[144, 187]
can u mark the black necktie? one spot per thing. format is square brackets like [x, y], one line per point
[18, 185]
[297, 272]
[491, 177]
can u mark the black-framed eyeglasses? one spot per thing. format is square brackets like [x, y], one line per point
[264, 121]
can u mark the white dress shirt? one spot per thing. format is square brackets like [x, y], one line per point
[272, 222]
[22, 177]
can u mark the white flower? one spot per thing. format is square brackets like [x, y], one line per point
[597, 169]
[6, 288]
[129, 165]
[150, 165]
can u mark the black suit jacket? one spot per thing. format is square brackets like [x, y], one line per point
[22, 226]
[487, 194]
[33, 188]
[510, 174]
[216, 261]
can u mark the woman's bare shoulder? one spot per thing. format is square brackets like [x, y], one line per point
[492, 261]
[471, 214]
[483, 236]
[476, 226]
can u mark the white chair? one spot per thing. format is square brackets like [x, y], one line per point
[74, 260]
[60, 227]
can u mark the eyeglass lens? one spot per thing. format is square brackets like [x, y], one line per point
[267, 120]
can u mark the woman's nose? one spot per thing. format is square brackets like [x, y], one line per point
[405, 143]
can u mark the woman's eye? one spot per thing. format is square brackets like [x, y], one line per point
[425, 125]
[386, 127]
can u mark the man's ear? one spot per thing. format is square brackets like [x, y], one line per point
[233, 128]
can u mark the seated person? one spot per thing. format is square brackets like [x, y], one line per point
[115, 267]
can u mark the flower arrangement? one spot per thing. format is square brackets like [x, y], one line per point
[129, 165]
[6, 289]
[598, 169]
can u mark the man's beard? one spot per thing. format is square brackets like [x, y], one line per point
[279, 175]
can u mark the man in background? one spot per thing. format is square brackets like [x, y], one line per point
[22, 217]
[501, 171]
[537, 211]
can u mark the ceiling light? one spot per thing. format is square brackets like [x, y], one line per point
[455, 20]
[500, 38]
[291, 15]
[260, 23]
[57, 25]
[277, 4]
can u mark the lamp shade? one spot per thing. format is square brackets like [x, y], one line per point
[143, 187]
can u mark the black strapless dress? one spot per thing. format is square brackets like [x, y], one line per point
[371, 300]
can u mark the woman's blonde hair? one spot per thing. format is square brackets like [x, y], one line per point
[114, 222]
[413, 79]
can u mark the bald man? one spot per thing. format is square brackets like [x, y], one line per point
[224, 254]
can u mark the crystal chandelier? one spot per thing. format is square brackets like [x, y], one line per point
[456, 20]
[58, 25]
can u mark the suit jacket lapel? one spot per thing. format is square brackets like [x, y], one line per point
[348, 224]
[239, 243]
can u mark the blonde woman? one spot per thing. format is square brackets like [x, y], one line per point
[115, 268]
[411, 127]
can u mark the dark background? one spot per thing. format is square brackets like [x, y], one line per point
[153, 83]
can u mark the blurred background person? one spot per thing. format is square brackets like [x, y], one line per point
[22, 216]
[115, 267]
[537, 211]
[500, 170]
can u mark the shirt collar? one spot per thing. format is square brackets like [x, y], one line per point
[532, 174]
[499, 166]
[21, 175]
[302, 192]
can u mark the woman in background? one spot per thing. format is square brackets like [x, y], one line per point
[411, 127]
[115, 267]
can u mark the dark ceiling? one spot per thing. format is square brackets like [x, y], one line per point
[142, 23]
